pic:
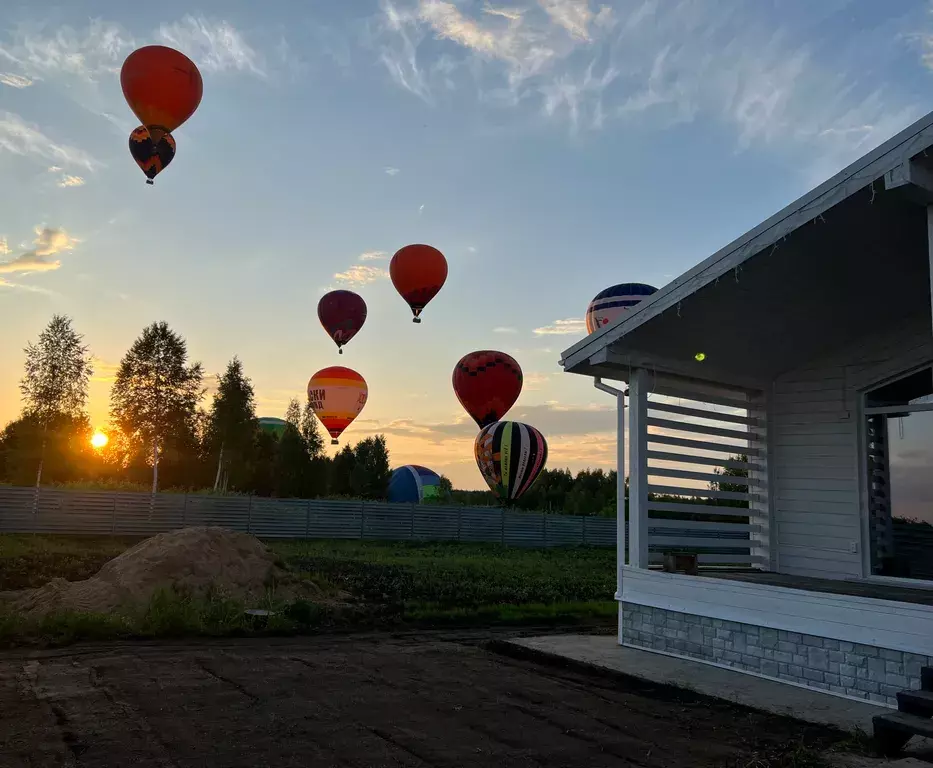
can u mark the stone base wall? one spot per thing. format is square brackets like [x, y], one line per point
[852, 669]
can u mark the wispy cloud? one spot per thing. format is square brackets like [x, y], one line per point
[20, 138]
[25, 287]
[504, 329]
[14, 81]
[373, 255]
[360, 274]
[216, 46]
[71, 181]
[572, 326]
[390, 171]
[4, 247]
[104, 371]
[770, 77]
[47, 244]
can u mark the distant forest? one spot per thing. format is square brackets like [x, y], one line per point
[162, 437]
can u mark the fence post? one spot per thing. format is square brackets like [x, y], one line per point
[544, 528]
[502, 522]
[249, 515]
[459, 521]
[411, 532]
[184, 513]
[308, 520]
[362, 519]
[584, 531]
[113, 516]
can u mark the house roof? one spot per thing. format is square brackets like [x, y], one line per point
[892, 161]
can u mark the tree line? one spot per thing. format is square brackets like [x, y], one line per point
[163, 435]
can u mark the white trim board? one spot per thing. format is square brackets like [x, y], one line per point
[883, 623]
[858, 176]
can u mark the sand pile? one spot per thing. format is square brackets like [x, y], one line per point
[191, 559]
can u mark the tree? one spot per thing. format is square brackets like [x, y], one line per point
[311, 433]
[370, 475]
[231, 426]
[342, 472]
[55, 381]
[725, 485]
[156, 393]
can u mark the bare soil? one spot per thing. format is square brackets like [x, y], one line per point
[374, 700]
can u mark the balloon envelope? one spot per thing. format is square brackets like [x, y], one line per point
[607, 305]
[342, 313]
[412, 484]
[487, 383]
[162, 86]
[273, 425]
[151, 156]
[510, 455]
[418, 272]
[337, 395]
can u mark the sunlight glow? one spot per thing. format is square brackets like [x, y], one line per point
[99, 440]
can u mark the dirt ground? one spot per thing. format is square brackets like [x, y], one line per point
[374, 700]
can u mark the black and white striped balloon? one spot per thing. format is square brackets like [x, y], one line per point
[510, 455]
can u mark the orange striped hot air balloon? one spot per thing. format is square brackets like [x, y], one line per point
[337, 395]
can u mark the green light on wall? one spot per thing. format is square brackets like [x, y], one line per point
[699, 357]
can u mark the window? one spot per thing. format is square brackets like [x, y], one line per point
[899, 438]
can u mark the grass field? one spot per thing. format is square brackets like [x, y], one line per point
[392, 583]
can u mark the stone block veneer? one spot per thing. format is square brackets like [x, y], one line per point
[851, 669]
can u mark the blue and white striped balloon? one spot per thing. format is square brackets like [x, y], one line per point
[606, 307]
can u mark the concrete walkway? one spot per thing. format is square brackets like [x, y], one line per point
[603, 652]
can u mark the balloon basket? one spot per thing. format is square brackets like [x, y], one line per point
[339, 351]
[335, 442]
[416, 319]
[150, 181]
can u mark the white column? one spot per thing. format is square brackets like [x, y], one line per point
[759, 488]
[620, 492]
[638, 470]
[930, 249]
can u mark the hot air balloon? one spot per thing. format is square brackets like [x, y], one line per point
[337, 395]
[487, 383]
[612, 302]
[151, 156]
[412, 484]
[273, 425]
[510, 455]
[162, 86]
[418, 272]
[342, 313]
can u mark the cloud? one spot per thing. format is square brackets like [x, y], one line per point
[535, 381]
[420, 208]
[390, 171]
[574, 326]
[4, 247]
[104, 371]
[28, 288]
[504, 329]
[71, 181]
[48, 243]
[216, 46]
[772, 78]
[14, 81]
[373, 255]
[20, 138]
[360, 274]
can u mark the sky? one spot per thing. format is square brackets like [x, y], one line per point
[549, 148]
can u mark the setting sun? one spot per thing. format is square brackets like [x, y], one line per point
[99, 440]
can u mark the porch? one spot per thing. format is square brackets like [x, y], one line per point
[759, 390]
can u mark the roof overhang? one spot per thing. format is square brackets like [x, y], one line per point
[876, 206]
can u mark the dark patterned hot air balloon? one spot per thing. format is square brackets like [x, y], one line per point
[273, 425]
[418, 272]
[151, 156]
[162, 86]
[342, 313]
[487, 383]
[612, 302]
[510, 455]
[337, 395]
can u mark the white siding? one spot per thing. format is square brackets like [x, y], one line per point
[816, 459]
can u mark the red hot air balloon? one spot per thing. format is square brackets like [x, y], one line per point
[418, 273]
[487, 384]
[342, 313]
[151, 156]
[337, 395]
[162, 86]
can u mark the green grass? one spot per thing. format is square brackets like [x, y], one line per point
[392, 582]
